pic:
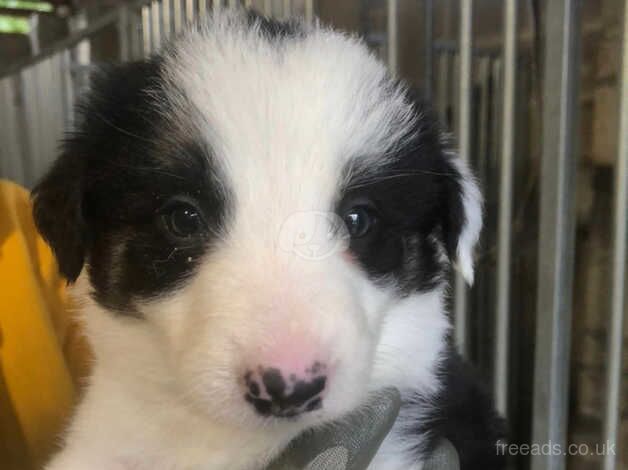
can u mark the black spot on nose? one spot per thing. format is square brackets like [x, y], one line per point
[271, 395]
[263, 407]
[274, 383]
[303, 391]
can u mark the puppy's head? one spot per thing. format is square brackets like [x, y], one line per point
[251, 208]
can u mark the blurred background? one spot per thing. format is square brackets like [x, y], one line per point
[534, 91]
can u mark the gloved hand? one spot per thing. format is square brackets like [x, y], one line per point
[349, 444]
[352, 443]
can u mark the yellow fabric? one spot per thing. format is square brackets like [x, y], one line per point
[42, 354]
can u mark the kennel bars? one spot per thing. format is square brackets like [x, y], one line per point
[36, 103]
[620, 235]
[463, 128]
[557, 224]
[504, 235]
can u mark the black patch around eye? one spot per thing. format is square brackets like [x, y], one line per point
[137, 266]
[410, 195]
[136, 162]
[151, 248]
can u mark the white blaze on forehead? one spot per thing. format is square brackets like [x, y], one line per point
[283, 117]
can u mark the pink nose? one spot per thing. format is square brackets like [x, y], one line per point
[286, 392]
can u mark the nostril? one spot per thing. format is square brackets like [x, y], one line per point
[254, 389]
[314, 404]
[271, 394]
[274, 383]
[303, 391]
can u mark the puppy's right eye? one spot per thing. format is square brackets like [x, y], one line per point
[182, 221]
[359, 221]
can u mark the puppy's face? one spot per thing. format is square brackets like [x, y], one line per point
[250, 208]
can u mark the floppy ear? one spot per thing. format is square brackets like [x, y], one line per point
[116, 96]
[57, 210]
[462, 221]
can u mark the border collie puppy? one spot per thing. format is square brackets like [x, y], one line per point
[259, 222]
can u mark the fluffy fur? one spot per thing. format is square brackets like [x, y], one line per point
[273, 136]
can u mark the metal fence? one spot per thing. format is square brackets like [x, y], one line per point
[475, 93]
[37, 95]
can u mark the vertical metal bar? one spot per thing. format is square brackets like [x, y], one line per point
[454, 93]
[12, 152]
[618, 299]
[146, 36]
[68, 88]
[557, 231]
[504, 221]
[123, 33]
[464, 142]
[309, 10]
[392, 30]
[166, 22]
[155, 27]
[268, 7]
[43, 114]
[497, 77]
[54, 116]
[178, 15]
[29, 120]
[202, 8]
[428, 16]
[83, 48]
[189, 11]
[8, 161]
[33, 34]
[286, 8]
[22, 127]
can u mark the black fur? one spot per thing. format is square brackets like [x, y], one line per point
[461, 412]
[417, 199]
[102, 200]
[274, 29]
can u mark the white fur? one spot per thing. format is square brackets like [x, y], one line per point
[470, 234]
[282, 121]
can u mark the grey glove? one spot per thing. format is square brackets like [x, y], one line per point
[444, 457]
[349, 444]
[352, 443]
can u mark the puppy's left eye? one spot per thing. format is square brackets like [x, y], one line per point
[182, 220]
[359, 221]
